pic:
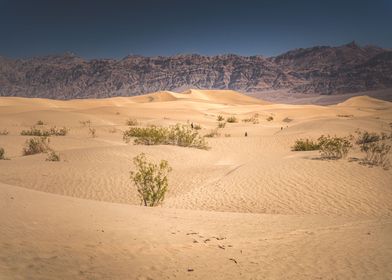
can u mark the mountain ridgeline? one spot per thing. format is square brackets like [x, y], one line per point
[320, 70]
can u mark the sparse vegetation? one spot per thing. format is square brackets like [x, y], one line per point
[374, 146]
[4, 132]
[232, 119]
[178, 135]
[197, 126]
[92, 132]
[53, 131]
[220, 118]
[305, 145]
[36, 145]
[270, 118]
[344, 116]
[85, 123]
[212, 133]
[151, 180]
[2, 153]
[253, 119]
[132, 122]
[287, 120]
[39, 122]
[221, 124]
[53, 156]
[334, 147]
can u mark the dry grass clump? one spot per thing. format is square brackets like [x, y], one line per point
[344, 116]
[334, 147]
[131, 122]
[253, 119]
[53, 131]
[39, 122]
[178, 135]
[287, 120]
[85, 123]
[151, 180]
[197, 126]
[305, 145]
[220, 118]
[232, 119]
[36, 145]
[2, 153]
[212, 133]
[270, 118]
[4, 132]
[221, 124]
[92, 132]
[53, 156]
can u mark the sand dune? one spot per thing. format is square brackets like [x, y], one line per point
[282, 214]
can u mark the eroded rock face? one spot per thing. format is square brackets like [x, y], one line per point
[323, 70]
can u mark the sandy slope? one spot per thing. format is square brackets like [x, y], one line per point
[297, 217]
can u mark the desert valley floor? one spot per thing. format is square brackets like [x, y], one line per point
[247, 208]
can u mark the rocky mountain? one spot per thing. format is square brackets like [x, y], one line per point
[322, 70]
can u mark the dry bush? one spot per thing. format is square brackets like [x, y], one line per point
[2, 153]
[36, 145]
[232, 119]
[85, 123]
[377, 153]
[334, 147]
[178, 135]
[92, 132]
[253, 119]
[305, 145]
[131, 122]
[270, 118]
[39, 122]
[4, 132]
[151, 180]
[287, 120]
[344, 116]
[53, 156]
[221, 124]
[220, 118]
[212, 133]
[197, 126]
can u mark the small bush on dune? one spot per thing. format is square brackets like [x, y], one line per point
[2, 153]
[232, 119]
[220, 118]
[53, 156]
[53, 131]
[179, 135]
[212, 133]
[132, 122]
[92, 132]
[151, 180]
[253, 119]
[365, 137]
[270, 118]
[85, 123]
[305, 145]
[334, 147]
[377, 154]
[4, 132]
[221, 124]
[36, 145]
[39, 122]
[197, 126]
[287, 120]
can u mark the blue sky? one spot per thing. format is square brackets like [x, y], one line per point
[114, 29]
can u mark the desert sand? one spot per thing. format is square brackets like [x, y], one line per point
[247, 208]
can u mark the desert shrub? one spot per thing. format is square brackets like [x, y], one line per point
[4, 132]
[334, 147]
[92, 132]
[178, 135]
[131, 122]
[344, 116]
[36, 145]
[2, 153]
[221, 124]
[253, 119]
[85, 123]
[270, 118]
[287, 120]
[377, 154]
[53, 156]
[364, 137]
[232, 119]
[197, 126]
[53, 131]
[220, 118]
[212, 133]
[305, 145]
[39, 122]
[150, 180]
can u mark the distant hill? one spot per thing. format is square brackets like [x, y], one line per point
[318, 70]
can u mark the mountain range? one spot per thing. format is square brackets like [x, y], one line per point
[321, 70]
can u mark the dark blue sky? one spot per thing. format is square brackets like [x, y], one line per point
[166, 27]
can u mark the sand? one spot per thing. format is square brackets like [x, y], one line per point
[248, 208]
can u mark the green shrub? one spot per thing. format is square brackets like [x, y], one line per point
[305, 145]
[53, 156]
[131, 122]
[221, 124]
[232, 119]
[53, 131]
[334, 147]
[150, 180]
[178, 135]
[36, 145]
[220, 118]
